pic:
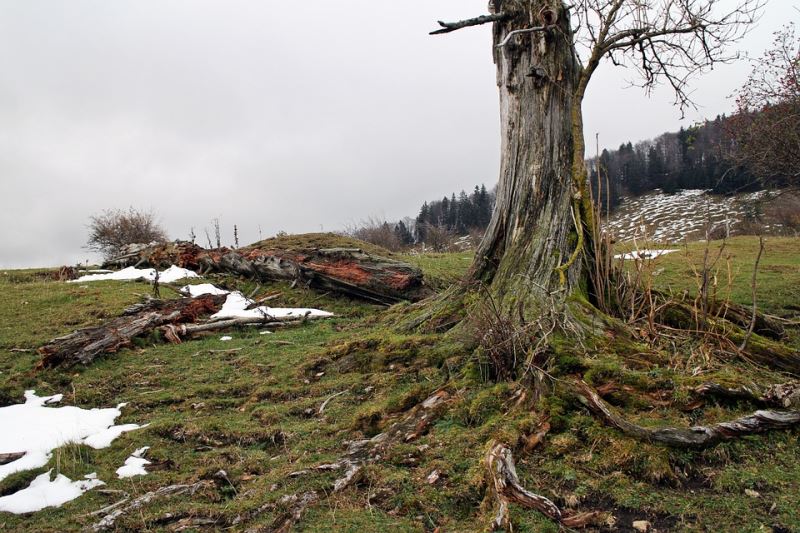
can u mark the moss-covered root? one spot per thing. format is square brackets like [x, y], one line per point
[434, 315]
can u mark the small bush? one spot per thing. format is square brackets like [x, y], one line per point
[114, 229]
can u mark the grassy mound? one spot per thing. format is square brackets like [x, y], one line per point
[305, 241]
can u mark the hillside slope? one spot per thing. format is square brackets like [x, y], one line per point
[250, 421]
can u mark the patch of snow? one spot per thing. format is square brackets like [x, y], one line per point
[175, 273]
[169, 275]
[42, 492]
[126, 274]
[226, 338]
[37, 429]
[103, 439]
[201, 289]
[236, 304]
[134, 465]
[643, 254]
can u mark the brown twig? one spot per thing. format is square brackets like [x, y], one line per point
[753, 286]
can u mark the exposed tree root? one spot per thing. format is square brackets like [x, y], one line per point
[764, 325]
[297, 506]
[116, 511]
[783, 395]
[760, 349]
[362, 452]
[505, 487]
[693, 437]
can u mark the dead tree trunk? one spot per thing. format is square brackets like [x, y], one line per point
[530, 245]
[348, 271]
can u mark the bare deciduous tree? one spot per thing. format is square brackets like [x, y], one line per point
[766, 127]
[113, 229]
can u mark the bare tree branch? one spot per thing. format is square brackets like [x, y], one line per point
[447, 27]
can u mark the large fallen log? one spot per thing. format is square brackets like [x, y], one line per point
[760, 349]
[84, 345]
[349, 271]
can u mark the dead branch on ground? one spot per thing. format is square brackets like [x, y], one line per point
[115, 512]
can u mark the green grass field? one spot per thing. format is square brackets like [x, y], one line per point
[250, 407]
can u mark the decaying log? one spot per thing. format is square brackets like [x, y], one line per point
[783, 395]
[117, 511]
[348, 271]
[173, 332]
[505, 487]
[693, 437]
[760, 349]
[84, 345]
[764, 325]
[6, 458]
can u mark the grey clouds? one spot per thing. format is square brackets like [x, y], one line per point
[294, 116]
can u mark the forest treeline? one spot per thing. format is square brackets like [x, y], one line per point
[699, 157]
[457, 214]
[704, 156]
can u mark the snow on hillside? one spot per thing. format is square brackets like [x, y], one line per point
[684, 215]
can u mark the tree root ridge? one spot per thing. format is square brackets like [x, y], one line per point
[506, 488]
[783, 395]
[694, 437]
[116, 511]
[362, 452]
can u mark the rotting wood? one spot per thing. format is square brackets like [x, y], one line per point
[116, 512]
[84, 345]
[348, 271]
[505, 487]
[693, 437]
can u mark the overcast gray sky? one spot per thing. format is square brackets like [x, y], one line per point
[294, 116]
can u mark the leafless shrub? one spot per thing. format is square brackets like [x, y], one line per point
[376, 231]
[785, 211]
[503, 342]
[114, 229]
[438, 238]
